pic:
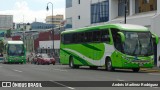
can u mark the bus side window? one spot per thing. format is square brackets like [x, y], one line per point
[67, 38]
[88, 37]
[105, 36]
[83, 37]
[96, 36]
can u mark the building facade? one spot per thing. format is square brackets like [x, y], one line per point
[41, 26]
[23, 26]
[57, 20]
[83, 13]
[6, 22]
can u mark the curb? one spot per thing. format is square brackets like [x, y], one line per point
[150, 69]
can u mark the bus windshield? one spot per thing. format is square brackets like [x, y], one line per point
[16, 50]
[138, 43]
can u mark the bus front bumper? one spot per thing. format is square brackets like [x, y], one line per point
[138, 65]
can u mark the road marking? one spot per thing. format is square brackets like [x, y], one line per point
[154, 73]
[60, 70]
[155, 87]
[62, 85]
[120, 80]
[63, 70]
[17, 70]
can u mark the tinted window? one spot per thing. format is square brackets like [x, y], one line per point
[67, 38]
[96, 36]
[88, 37]
[105, 36]
[117, 39]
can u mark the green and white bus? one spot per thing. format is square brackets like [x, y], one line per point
[14, 52]
[111, 46]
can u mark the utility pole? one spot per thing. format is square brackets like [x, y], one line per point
[52, 23]
[125, 21]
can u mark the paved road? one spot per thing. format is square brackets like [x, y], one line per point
[28, 72]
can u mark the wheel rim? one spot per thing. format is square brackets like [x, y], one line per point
[71, 64]
[109, 65]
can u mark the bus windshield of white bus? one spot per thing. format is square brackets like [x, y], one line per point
[138, 43]
[15, 50]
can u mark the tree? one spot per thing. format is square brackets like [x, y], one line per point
[8, 33]
[1, 46]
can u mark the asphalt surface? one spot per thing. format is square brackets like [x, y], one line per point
[54, 73]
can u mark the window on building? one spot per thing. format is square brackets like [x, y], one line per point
[68, 23]
[100, 12]
[79, 1]
[146, 1]
[145, 5]
[121, 7]
[68, 3]
[79, 17]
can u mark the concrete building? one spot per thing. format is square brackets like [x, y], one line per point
[82, 13]
[23, 26]
[57, 20]
[41, 26]
[6, 22]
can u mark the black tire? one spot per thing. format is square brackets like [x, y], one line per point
[71, 63]
[108, 65]
[136, 69]
[93, 67]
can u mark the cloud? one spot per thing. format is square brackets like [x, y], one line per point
[21, 12]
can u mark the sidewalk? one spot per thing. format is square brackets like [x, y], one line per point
[154, 69]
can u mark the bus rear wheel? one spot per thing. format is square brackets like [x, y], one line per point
[71, 63]
[136, 69]
[108, 65]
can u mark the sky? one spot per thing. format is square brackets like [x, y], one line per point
[31, 10]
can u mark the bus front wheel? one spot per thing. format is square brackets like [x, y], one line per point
[71, 63]
[108, 65]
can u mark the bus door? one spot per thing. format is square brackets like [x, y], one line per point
[116, 56]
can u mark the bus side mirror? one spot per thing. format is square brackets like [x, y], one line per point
[122, 36]
[156, 38]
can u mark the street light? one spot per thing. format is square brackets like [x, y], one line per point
[52, 22]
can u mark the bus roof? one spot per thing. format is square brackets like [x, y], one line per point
[15, 42]
[122, 27]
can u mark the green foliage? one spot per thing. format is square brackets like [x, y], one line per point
[8, 33]
[1, 46]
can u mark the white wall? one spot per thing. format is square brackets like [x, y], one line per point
[82, 10]
[56, 44]
[158, 6]
[113, 9]
[132, 7]
[46, 44]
